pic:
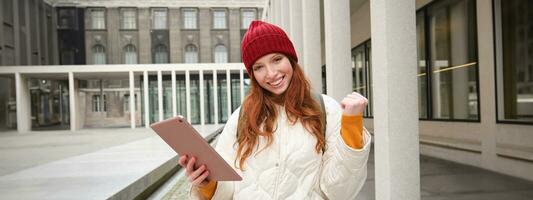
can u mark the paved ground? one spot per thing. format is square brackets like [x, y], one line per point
[19, 151]
[440, 180]
[87, 164]
[47, 152]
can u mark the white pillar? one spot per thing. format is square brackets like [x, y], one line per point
[241, 78]
[188, 93]
[72, 102]
[228, 91]
[146, 101]
[295, 22]
[174, 103]
[132, 100]
[277, 12]
[160, 95]
[338, 52]
[23, 103]
[285, 17]
[393, 32]
[202, 98]
[215, 95]
[312, 50]
[489, 128]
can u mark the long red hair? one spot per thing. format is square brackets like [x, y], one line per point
[259, 110]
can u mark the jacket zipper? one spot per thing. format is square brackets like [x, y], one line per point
[278, 163]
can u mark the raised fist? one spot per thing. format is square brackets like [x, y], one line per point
[354, 104]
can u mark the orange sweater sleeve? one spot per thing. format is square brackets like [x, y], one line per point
[352, 131]
[208, 190]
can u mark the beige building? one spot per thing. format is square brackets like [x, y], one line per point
[117, 32]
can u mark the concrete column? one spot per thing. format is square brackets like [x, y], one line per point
[393, 32]
[73, 102]
[146, 99]
[487, 92]
[228, 92]
[338, 50]
[215, 95]
[275, 12]
[202, 98]
[132, 100]
[188, 93]
[312, 50]
[160, 95]
[295, 22]
[23, 103]
[174, 102]
[285, 17]
[241, 81]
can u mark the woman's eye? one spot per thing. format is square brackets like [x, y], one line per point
[257, 67]
[277, 59]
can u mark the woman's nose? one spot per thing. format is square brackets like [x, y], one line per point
[271, 72]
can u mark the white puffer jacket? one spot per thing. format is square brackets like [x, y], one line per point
[291, 168]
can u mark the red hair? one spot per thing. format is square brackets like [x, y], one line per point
[260, 110]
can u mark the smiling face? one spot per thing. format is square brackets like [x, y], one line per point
[273, 72]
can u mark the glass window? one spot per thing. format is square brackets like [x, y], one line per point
[126, 104]
[361, 73]
[219, 19]
[159, 17]
[99, 56]
[67, 57]
[453, 59]
[514, 59]
[98, 105]
[189, 18]
[98, 18]
[129, 19]
[247, 17]
[191, 54]
[160, 54]
[130, 54]
[67, 18]
[221, 54]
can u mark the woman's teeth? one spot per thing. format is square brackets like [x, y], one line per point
[277, 82]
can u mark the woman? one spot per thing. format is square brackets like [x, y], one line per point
[277, 142]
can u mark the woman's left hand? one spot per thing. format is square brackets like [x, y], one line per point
[354, 104]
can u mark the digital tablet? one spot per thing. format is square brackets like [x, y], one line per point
[185, 140]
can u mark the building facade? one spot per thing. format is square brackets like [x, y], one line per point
[117, 32]
[474, 69]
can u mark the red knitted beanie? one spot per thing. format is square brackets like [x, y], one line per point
[263, 38]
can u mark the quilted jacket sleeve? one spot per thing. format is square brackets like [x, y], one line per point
[225, 147]
[343, 168]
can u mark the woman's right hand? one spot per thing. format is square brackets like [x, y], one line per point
[197, 177]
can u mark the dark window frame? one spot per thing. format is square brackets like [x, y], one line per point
[367, 66]
[121, 21]
[429, 67]
[496, 66]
